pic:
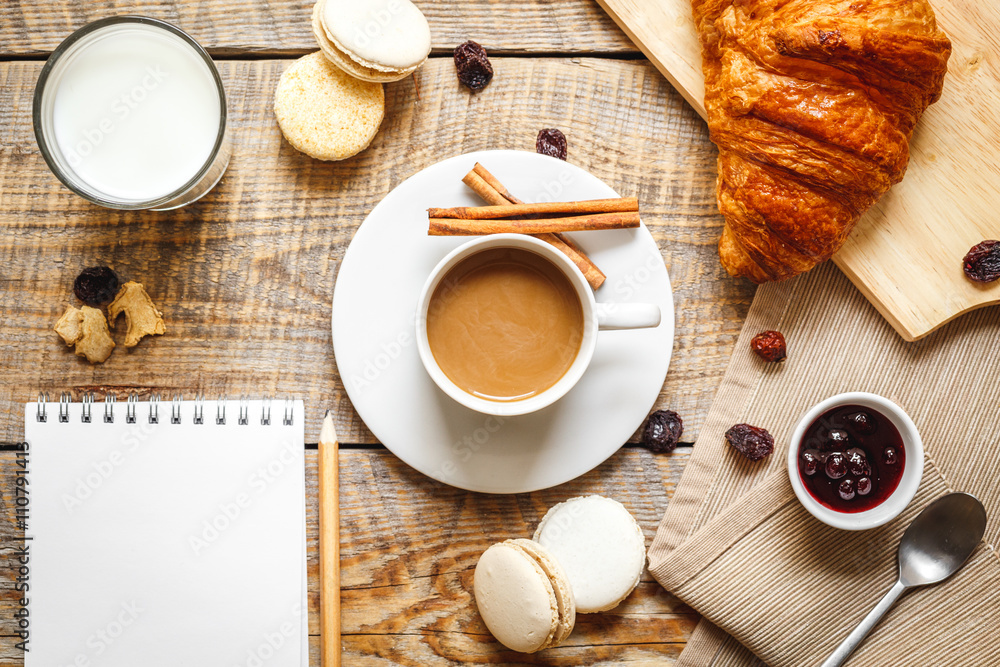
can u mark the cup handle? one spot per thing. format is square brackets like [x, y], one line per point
[627, 315]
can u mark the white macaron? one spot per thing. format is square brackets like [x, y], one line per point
[600, 547]
[372, 40]
[524, 596]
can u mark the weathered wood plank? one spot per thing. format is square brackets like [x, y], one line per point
[245, 277]
[409, 547]
[235, 28]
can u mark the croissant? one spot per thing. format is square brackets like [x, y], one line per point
[812, 104]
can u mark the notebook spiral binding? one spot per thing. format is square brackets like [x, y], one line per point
[132, 407]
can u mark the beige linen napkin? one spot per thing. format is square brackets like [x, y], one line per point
[949, 383]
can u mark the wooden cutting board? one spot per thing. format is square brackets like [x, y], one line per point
[905, 255]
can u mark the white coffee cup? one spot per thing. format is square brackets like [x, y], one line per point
[596, 316]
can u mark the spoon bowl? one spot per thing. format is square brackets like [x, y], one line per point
[941, 539]
[934, 547]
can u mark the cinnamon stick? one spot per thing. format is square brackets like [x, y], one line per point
[484, 189]
[486, 185]
[492, 181]
[560, 209]
[562, 243]
[578, 223]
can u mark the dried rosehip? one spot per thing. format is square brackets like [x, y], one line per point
[769, 346]
[551, 142]
[751, 441]
[982, 262]
[474, 67]
[663, 431]
[96, 285]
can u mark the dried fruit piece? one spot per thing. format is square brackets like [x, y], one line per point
[68, 326]
[551, 142]
[95, 340]
[95, 286]
[663, 431]
[474, 67]
[769, 346]
[751, 441]
[982, 262]
[141, 316]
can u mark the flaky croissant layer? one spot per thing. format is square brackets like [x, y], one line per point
[812, 104]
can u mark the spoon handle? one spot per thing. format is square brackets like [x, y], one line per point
[857, 635]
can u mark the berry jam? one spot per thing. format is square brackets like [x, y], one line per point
[851, 458]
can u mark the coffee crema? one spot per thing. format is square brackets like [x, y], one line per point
[505, 324]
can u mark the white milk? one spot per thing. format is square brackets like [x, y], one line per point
[136, 111]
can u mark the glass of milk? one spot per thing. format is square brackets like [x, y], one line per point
[130, 113]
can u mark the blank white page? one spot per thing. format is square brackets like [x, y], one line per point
[167, 544]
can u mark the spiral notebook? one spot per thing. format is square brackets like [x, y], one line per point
[166, 533]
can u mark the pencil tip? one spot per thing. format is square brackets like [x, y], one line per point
[328, 434]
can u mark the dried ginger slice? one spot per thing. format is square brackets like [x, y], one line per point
[141, 316]
[68, 326]
[95, 340]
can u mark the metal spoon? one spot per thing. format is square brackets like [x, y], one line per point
[933, 548]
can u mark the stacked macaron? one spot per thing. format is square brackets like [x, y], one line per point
[587, 555]
[329, 104]
[524, 596]
[372, 40]
[325, 113]
[600, 546]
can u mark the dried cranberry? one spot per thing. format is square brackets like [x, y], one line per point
[863, 486]
[846, 489]
[96, 285]
[663, 431]
[836, 465]
[474, 67]
[982, 262]
[889, 456]
[857, 462]
[751, 441]
[769, 346]
[811, 462]
[551, 142]
[862, 422]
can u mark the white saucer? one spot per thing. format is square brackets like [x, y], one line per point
[375, 300]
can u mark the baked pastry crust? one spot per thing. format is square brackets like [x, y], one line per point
[812, 104]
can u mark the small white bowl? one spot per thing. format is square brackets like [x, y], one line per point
[913, 468]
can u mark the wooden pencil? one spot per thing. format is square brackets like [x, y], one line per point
[329, 544]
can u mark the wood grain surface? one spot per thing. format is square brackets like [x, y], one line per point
[905, 255]
[245, 277]
[409, 549]
[237, 28]
[245, 280]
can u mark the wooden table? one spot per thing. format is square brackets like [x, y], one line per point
[245, 279]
